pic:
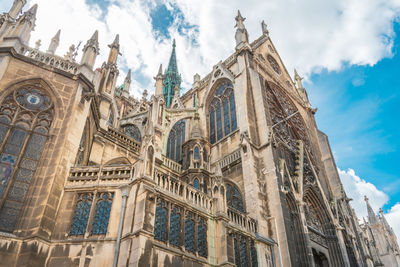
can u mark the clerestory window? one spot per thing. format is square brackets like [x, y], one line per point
[175, 140]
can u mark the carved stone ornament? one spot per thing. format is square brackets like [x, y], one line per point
[274, 64]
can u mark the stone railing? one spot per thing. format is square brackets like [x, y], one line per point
[182, 190]
[228, 62]
[50, 60]
[242, 220]
[173, 165]
[98, 174]
[228, 159]
[123, 139]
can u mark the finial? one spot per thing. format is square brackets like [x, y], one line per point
[54, 43]
[239, 21]
[128, 77]
[366, 199]
[71, 54]
[144, 95]
[16, 8]
[173, 43]
[38, 44]
[264, 28]
[115, 43]
[160, 70]
[33, 9]
[57, 36]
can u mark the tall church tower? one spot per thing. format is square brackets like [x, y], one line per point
[172, 78]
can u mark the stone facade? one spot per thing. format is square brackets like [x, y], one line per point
[234, 172]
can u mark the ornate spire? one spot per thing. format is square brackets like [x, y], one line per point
[25, 25]
[196, 132]
[91, 50]
[16, 8]
[241, 35]
[172, 78]
[54, 43]
[264, 28]
[127, 84]
[385, 223]
[372, 218]
[114, 52]
[297, 80]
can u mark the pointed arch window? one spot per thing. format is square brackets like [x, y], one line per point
[82, 212]
[189, 232]
[175, 227]
[160, 224]
[202, 238]
[196, 183]
[102, 213]
[26, 115]
[234, 198]
[111, 118]
[175, 140]
[133, 131]
[222, 112]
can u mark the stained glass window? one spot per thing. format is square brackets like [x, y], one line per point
[253, 252]
[175, 140]
[31, 112]
[81, 217]
[196, 183]
[196, 154]
[234, 198]
[189, 233]
[102, 213]
[175, 227]
[133, 131]
[244, 260]
[222, 112]
[237, 254]
[111, 118]
[160, 224]
[202, 238]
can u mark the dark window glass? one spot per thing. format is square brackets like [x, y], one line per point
[175, 140]
[237, 254]
[196, 155]
[111, 118]
[133, 132]
[81, 217]
[175, 228]
[253, 251]
[189, 233]
[219, 122]
[196, 184]
[160, 224]
[102, 214]
[234, 198]
[233, 111]
[202, 239]
[212, 127]
[244, 260]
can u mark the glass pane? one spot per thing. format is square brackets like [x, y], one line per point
[202, 239]
[253, 251]
[219, 122]
[160, 224]
[9, 215]
[233, 112]
[244, 260]
[189, 234]
[212, 127]
[175, 228]
[234, 198]
[3, 131]
[196, 155]
[178, 146]
[15, 141]
[196, 184]
[237, 254]
[6, 167]
[102, 214]
[35, 146]
[227, 121]
[133, 131]
[175, 140]
[81, 217]
[18, 191]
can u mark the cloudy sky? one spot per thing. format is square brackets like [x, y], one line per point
[347, 50]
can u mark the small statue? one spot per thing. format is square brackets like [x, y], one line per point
[38, 44]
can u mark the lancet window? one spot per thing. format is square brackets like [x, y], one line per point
[175, 140]
[186, 228]
[26, 115]
[133, 131]
[234, 198]
[111, 118]
[244, 251]
[222, 112]
[102, 213]
[101, 210]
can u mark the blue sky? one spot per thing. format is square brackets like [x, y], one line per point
[358, 108]
[347, 50]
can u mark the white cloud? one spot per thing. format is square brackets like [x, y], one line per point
[356, 188]
[309, 34]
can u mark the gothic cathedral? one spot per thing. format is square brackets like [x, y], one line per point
[232, 172]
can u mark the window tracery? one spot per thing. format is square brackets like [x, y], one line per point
[102, 213]
[160, 224]
[175, 227]
[222, 112]
[26, 115]
[274, 64]
[175, 140]
[234, 198]
[244, 251]
[133, 131]
[82, 211]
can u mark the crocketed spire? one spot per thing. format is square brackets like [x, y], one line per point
[372, 218]
[172, 78]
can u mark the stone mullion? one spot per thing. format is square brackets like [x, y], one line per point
[89, 225]
[182, 230]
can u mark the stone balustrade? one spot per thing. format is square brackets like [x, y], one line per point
[228, 159]
[242, 220]
[50, 60]
[125, 140]
[183, 191]
[98, 174]
[173, 165]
